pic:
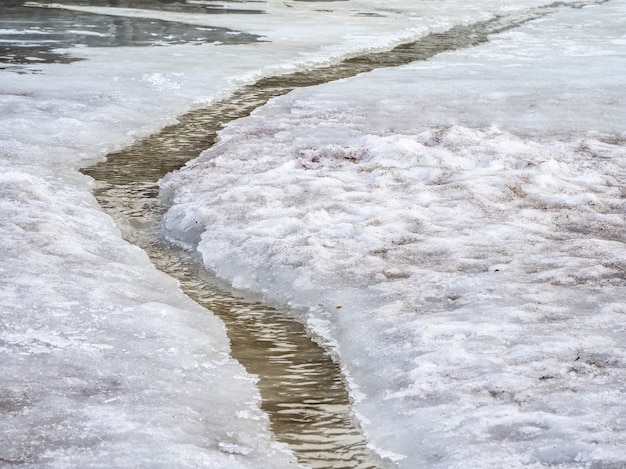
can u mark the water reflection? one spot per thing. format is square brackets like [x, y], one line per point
[302, 388]
[34, 35]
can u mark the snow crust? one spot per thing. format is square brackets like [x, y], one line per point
[455, 228]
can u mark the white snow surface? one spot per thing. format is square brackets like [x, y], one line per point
[456, 230]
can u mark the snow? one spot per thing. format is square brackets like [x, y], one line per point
[106, 363]
[455, 229]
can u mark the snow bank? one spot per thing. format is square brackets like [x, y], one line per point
[456, 229]
[105, 363]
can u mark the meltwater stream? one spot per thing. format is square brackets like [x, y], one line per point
[301, 386]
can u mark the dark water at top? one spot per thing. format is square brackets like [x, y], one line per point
[182, 6]
[35, 35]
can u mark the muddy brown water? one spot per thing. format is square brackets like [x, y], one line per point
[302, 387]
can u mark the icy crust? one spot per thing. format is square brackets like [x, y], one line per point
[470, 276]
[473, 282]
[480, 280]
[105, 363]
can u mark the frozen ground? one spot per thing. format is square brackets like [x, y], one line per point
[456, 229]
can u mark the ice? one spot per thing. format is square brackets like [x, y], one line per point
[455, 228]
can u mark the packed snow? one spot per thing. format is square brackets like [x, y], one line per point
[496, 339]
[455, 229]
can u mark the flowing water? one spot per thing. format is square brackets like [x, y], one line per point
[301, 386]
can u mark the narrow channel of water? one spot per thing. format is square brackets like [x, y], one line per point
[301, 386]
